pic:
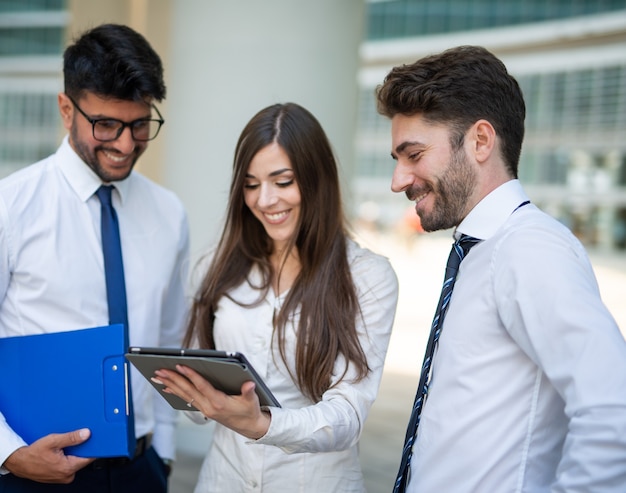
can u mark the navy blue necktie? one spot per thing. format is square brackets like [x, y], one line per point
[457, 253]
[114, 276]
[113, 264]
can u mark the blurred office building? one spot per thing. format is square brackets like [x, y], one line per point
[223, 60]
[31, 41]
[33, 35]
[569, 57]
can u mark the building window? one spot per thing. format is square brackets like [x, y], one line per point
[31, 44]
[404, 18]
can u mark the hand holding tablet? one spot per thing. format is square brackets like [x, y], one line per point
[226, 371]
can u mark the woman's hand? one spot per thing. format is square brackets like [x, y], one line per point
[241, 413]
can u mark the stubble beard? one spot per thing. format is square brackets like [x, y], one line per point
[90, 157]
[452, 191]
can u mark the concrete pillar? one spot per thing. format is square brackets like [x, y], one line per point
[227, 60]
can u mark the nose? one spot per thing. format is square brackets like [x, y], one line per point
[125, 142]
[267, 196]
[402, 178]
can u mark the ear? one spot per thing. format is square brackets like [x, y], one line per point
[66, 108]
[482, 138]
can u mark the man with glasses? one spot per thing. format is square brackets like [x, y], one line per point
[53, 264]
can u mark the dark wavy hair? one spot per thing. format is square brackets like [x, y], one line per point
[323, 292]
[459, 87]
[114, 61]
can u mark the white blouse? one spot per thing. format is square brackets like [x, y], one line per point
[309, 447]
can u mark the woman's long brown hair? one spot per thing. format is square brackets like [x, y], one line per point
[323, 291]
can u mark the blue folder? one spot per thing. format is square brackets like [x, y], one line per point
[64, 381]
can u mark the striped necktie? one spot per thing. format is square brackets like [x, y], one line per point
[458, 252]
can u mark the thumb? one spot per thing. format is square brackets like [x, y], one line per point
[247, 390]
[70, 438]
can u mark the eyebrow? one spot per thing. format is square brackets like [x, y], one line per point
[273, 173]
[400, 148]
[100, 116]
[105, 117]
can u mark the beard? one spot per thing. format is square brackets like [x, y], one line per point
[451, 192]
[90, 156]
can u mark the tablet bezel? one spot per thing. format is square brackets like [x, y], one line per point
[226, 371]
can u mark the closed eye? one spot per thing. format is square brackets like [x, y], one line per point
[141, 124]
[108, 124]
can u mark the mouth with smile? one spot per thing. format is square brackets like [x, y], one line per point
[419, 198]
[276, 217]
[416, 196]
[116, 158]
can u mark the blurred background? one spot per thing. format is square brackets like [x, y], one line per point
[225, 60]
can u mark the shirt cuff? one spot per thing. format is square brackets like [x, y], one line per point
[13, 443]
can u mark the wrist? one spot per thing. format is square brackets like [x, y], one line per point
[266, 419]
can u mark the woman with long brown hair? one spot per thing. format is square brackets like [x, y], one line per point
[310, 309]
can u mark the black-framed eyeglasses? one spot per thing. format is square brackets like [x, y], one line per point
[109, 129]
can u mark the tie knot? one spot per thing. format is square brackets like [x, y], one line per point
[458, 252]
[466, 243]
[104, 194]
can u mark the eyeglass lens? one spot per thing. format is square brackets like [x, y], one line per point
[107, 130]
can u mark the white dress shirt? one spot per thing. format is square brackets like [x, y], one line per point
[309, 447]
[52, 273]
[528, 391]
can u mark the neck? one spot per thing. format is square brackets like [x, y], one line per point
[286, 267]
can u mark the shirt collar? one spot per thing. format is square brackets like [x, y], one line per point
[492, 211]
[80, 176]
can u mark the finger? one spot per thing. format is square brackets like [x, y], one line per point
[76, 437]
[248, 392]
[62, 440]
[45, 461]
[77, 463]
[198, 381]
[172, 379]
[175, 384]
[247, 389]
[189, 373]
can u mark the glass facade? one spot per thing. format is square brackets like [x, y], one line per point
[575, 156]
[31, 45]
[20, 41]
[576, 109]
[573, 162]
[402, 18]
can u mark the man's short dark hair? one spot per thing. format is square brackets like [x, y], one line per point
[113, 61]
[457, 88]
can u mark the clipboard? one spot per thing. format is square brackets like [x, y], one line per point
[226, 371]
[90, 388]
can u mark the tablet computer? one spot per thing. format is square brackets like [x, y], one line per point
[226, 371]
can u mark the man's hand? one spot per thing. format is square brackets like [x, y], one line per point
[44, 460]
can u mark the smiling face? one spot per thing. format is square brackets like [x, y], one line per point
[441, 180]
[111, 161]
[272, 194]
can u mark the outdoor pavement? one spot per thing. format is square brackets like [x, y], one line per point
[419, 262]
